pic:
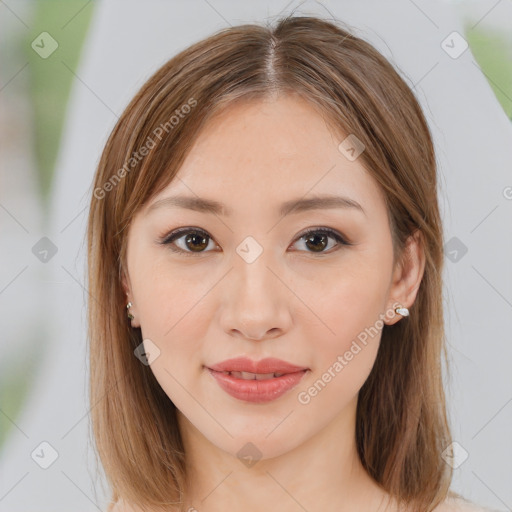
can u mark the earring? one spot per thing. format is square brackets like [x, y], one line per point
[402, 311]
[128, 306]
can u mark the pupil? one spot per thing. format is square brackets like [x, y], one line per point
[195, 237]
[315, 237]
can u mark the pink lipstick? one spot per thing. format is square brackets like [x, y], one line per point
[256, 381]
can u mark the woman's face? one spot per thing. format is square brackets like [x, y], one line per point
[254, 284]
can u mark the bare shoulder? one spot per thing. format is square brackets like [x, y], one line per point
[123, 506]
[459, 504]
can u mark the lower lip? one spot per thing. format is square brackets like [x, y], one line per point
[258, 391]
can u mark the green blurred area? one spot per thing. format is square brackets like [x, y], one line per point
[493, 52]
[51, 78]
[67, 22]
[15, 383]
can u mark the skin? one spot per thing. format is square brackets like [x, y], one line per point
[292, 303]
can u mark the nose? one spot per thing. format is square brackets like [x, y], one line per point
[256, 303]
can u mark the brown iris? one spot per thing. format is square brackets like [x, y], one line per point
[315, 239]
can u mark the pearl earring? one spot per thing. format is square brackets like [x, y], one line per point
[402, 311]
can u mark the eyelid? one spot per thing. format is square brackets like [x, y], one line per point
[171, 236]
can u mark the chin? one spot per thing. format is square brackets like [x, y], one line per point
[250, 449]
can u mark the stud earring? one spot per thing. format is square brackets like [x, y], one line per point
[402, 311]
[128, 306]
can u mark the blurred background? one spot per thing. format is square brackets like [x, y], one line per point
[68, 69]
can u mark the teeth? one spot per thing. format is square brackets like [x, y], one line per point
[254, 376]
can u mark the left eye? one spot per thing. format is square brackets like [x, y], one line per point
[317, 239]
[195, 241]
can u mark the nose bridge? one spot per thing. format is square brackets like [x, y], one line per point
[257, 301]
[255, 282]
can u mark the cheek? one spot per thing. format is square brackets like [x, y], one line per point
[351, 299]
[176, 315]
[170, 299]
[344, 358]
[175, 318]
[350, 305]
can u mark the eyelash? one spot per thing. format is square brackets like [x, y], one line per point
[178, 233]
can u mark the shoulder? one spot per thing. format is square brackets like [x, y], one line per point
[460, 504]
[124, 506]
[450, 504]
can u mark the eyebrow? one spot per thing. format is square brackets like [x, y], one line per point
[203, 205]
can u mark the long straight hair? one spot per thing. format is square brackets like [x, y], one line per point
[401, 424]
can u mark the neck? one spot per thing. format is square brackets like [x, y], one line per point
[322, 473]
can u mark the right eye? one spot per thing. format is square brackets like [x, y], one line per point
[193, 241]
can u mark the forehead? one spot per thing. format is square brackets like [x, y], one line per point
[268, 151]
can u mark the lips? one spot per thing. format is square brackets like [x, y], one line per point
[256, 381]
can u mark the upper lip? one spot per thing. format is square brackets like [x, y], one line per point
[267, 365]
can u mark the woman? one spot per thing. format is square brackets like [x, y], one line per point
[271, 337]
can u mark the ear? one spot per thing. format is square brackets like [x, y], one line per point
[407, 276]
[127, 288]
[125, 283]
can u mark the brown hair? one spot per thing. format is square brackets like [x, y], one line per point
[401, 423]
